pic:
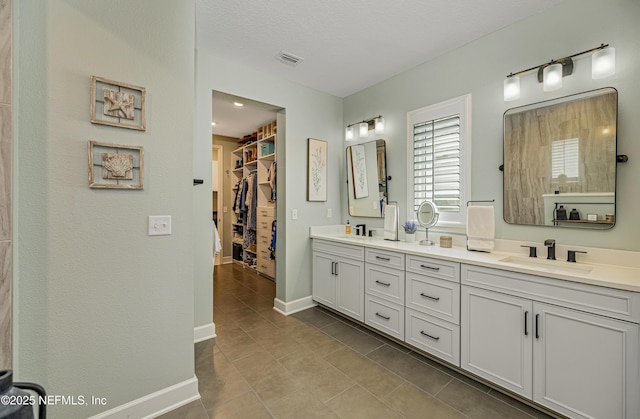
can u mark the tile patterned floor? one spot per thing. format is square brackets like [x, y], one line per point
[315, 364]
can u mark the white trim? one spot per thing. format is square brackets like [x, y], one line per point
[459, 105]
[200, 333]
[157, 403]
[227, 259]
[293, 306]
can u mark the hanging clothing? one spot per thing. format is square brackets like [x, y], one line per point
[251, 201]
[271, 178]
[272, 247]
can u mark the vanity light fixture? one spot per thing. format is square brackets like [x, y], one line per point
[376, 123]
[550, 74]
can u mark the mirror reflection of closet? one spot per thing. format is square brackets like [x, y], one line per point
[367, 179]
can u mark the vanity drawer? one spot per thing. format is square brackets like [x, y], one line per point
[385, 282]
[266, 266]
[266, 212]
[432, 335]
[434, 296]
[610, 302]
[385, 316]
[264, 223]
[434, 267]
[384, 258]
[339, 249]
[264, 237]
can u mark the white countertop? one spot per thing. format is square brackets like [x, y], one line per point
[611, 276]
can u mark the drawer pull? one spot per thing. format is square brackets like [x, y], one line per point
[431, 268]
[383, 283]
[429, 336]
[422, 294]
[381, 258]
[383, 317]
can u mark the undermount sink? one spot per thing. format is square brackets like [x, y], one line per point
[555, 265]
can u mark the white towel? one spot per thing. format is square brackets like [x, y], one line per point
[390, 222]
[481, 228]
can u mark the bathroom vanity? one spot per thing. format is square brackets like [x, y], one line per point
[562, 335]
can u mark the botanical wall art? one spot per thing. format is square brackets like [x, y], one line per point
[317, 170]
[359, 171]
[115, 166]
[117, 104]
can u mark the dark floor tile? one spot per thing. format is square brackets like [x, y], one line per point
[477, 404]
[193, 410]
[352, 337]
[519, 405]
[411, 369]
[314, 317]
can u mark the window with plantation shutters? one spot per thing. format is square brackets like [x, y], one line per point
[438, 147]
[564, 160]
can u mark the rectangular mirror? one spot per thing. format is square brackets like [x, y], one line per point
[367, 179]
[560, 161]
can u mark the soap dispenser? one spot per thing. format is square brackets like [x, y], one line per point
[561, 213]
[347, 228]
[574, 214]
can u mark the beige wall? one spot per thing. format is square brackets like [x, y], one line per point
[5, 184]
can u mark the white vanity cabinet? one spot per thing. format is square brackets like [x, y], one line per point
[384, 291]
[432, 299]
[338, 277]
[568, 346]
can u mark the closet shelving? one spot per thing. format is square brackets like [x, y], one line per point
[257, 155]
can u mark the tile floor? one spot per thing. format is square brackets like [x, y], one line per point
[315, 364]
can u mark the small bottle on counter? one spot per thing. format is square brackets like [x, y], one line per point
[347, 228]
[574, 214]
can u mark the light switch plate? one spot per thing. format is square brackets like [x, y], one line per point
[294, 214]
[159, 225]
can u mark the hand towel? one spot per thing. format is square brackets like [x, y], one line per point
[390, 222]
[481, 228]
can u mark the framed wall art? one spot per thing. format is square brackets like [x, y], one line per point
[316, 170]
[359, 171]
[114, 166]
[117, 104]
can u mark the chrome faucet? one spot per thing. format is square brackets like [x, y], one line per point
[551, 249]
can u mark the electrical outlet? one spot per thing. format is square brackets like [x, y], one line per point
[294, 214]
[159, 225]
[329, 213]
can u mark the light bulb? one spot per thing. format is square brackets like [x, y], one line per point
[552, 77]
[349, 133]
[379, 125]
[363, 129]
[511, 88]
[603, 63]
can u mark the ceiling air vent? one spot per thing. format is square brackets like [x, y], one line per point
[289, 58]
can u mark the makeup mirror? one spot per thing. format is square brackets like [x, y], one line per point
[427, 215]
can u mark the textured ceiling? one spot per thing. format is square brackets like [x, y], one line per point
[349, 45]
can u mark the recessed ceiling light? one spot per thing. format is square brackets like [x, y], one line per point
[238, 104]
[213, 123]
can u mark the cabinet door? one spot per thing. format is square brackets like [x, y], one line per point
[585, 365]
[350, 288]
[496, 338]
[324, 279]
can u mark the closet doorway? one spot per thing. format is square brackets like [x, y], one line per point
[244, 140]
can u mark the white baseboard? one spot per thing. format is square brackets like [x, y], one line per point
[227, 259]
[155, 404]
[293, 306]
[200, 333]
